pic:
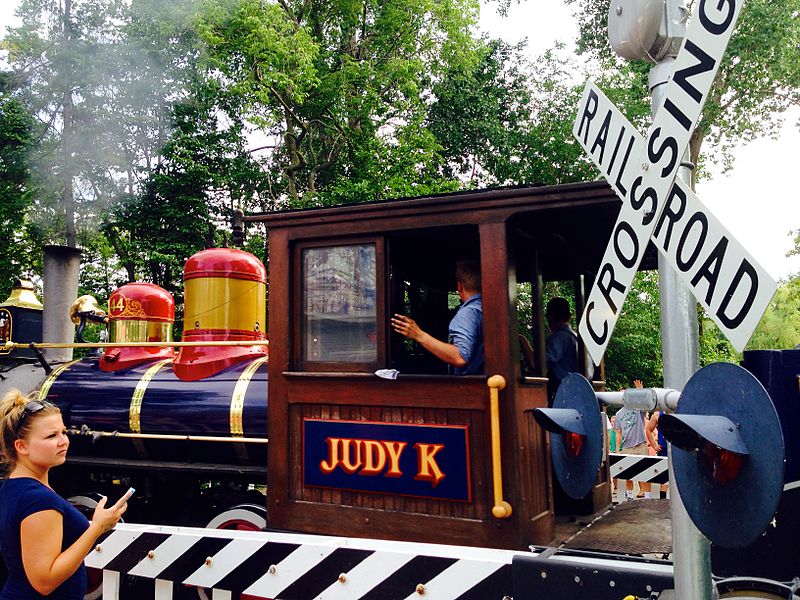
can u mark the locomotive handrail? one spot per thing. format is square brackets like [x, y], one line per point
[167, 436]
[16, 345]
[501, 508]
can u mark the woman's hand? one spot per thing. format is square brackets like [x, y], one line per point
[106, 518]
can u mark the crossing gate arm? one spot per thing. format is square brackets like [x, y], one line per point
[305, 567]
[298, 566]
[635, 467]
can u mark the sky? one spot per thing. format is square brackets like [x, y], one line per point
[758, 200]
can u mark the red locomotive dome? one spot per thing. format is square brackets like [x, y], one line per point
[141, 301]
[225, 262]
[138, 312]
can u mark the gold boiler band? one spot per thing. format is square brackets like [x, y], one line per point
[239, 393]
[139, 331]
[225, 304]
[135, 411]
[48, 383]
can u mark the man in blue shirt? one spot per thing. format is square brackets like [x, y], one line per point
[463, 351]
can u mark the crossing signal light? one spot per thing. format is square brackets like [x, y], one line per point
[723, 464]
[574, 443]
[727, 454]
[576, 435]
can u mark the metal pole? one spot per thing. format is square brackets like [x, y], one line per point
[61, 268]
[691, 551]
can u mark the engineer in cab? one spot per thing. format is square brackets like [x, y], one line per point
[463, 351]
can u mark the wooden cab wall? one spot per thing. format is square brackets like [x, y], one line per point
[355, 454]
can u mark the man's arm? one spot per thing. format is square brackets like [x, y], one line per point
[442, 350]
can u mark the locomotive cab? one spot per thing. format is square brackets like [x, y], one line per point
[369, 434]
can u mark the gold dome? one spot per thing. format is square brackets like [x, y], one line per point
[23, 296]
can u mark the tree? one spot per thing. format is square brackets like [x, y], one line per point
[796, 250]
[59, 56]
[16, 142]
[758, 78]
[780, 326]
[480, 114]
[635, 348]
[202, 175]
[339, 89]
[101, 77]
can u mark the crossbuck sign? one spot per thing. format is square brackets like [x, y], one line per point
[722, 275]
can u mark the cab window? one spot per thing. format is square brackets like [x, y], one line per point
[339, 306]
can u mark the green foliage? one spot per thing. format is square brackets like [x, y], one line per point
[779, 328]
[758, 79]
[16, 141]
[340, 87]
[480, 113]
[713, 346]
[59, 55]
[502, 121]
[100, 271]
[796, 250]
[635, 348]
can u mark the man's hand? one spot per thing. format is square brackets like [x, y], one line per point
[637, 383]
[406, 326]
[442, 350]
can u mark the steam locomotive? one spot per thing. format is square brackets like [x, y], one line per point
[189, 427]
[362, 433]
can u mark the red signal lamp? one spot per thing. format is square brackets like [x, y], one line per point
[573, 442]
[723, 464]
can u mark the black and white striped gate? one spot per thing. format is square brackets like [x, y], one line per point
[644, 469]
[304, 567]
[633, 467]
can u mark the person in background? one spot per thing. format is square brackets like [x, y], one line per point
[561, 348]
[612, 444]
[632, 439]
[43, 538]
[657, 440]
[463, 351]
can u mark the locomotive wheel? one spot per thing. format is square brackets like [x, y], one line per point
[86, 505]
[242, 517]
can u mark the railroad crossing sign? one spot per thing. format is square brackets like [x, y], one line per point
[722, 275]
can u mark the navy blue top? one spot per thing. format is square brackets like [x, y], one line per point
[466, 334]
[19, 498]
[662, 441]
[561, 350]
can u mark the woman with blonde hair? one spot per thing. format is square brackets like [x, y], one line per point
[43, 538]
